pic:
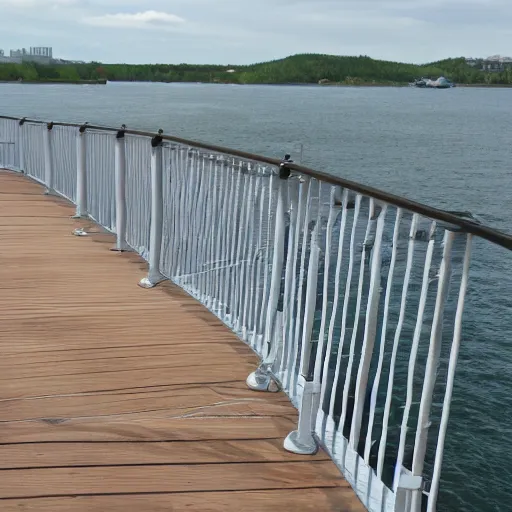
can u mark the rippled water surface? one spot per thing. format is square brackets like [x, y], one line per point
[448, 148]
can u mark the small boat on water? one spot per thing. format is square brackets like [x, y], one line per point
[427, 83]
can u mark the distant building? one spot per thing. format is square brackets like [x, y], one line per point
[18, 54]
[3, 58]
[41, 51]
[493, 64]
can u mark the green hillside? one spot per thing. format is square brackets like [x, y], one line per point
[297, 69]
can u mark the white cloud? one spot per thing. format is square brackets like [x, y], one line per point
[146, 19]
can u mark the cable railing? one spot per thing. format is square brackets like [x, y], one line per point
[353, 298]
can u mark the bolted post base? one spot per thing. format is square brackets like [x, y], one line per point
[151, 281]
[262, 380]
[294, 444]
[79, 216]
[301, 441]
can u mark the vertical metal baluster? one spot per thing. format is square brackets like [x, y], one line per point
[420, 445]
[241, 253]
[247, 288]
[290, 267]
[370, 332]
[414, 354]
[266, 273]
[348, 376]
[396, 343]
[213, 236]
[337, 285]
[235, 187]
[376, 383]
[256, 290]
[454, 354]
[219, 247]
[321, 344]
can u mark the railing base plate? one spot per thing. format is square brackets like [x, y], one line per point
[151, 282]
[262, 380]
[293, 445]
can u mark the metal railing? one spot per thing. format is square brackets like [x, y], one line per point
[352, 297]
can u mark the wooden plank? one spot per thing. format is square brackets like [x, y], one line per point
[282, 500]
[152, 479]
[109, 454]
[120, 364]
[183, 398]
[147, 429]
[160, 350]
[92, 381]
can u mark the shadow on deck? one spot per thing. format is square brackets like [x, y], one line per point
[116, 398]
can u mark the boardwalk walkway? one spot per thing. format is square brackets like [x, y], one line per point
[115, 398]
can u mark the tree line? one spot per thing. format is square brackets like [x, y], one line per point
[298, 69]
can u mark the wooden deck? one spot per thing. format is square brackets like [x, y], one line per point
[116, 398]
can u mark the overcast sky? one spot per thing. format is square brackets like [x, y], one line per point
[246, 31]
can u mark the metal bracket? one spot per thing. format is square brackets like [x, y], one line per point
[410, 483]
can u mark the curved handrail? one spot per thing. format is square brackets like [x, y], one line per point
[486, 232]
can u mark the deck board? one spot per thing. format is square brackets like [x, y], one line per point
[116, 398]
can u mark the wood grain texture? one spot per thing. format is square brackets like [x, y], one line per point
[303, 500]
[116, 398]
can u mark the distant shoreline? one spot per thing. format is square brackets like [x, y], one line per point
[63, 82]
[300, 84]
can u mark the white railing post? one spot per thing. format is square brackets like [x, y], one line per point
[262, 379]
[21, 145]
[420, 444]
[157, 207]
[302, 441]
[120, 176]
[48, 163]
[81, 173]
